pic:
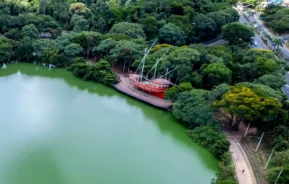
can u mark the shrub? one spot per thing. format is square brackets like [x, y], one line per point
[131, 30]
[99, 72]
[283, 145]
[171, 93]
[172, 34]
[281, 158]
[211, 138]
[284, 178]
[185, 86]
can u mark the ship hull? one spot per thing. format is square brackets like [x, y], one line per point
[145, 86]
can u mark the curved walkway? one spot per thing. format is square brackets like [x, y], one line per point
[241, 162]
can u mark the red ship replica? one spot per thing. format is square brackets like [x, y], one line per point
[154, 86]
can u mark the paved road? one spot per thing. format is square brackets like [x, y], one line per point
[262, 29]
[240, 160]
[257, 39]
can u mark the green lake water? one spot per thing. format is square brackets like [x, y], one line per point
[57, 129]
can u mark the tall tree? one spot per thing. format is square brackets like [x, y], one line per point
[172, 34]
[243, 103]
[30, 31]
[6, 50]
[237, 33]
[216, 74]
[132, 30]
[183, 60]
[192, 107]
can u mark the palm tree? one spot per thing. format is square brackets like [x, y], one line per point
[250, 13]
[277, 42]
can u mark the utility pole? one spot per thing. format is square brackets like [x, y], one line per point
[259, 142]
[278, 176]
[269, 159]
[247, 130]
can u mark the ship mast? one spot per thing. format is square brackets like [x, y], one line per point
[147, 51]
[168, 72]
[156, 64]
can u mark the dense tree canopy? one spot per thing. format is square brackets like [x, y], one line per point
[183, 60]
[192, 107]
[132, 30]
[172, 34]
[277, 17]
[245, 83]
[217, 73]
[6, 50]
[237, 33]
[244, 103]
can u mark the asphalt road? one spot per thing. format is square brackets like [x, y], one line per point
[261, 44]
[257, 39]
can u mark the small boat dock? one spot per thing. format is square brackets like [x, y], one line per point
[125, 86]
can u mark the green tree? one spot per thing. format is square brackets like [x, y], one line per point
[125, 52]
[99, 72]
[281, 158]
[274, 81]
[45, 51]
[243, 103]
[6, 50]
[104, 47]
[184, 23]
[216, 74]
[192, 107]
[205, 27]
[73, 50]
[277, 42]
[221, 18]
[14, 34]
[210, 138]
[78, 8]
[150, 26]
[183, 60]
[185, 86]
[24, 50]
[218, 92]
[237, 33]
[132, 30]
[61, 10]
[172, 34]
[5, 21]
[81, 25]
[87, 40]
[30, 31]
[273, 174]
[171, 93]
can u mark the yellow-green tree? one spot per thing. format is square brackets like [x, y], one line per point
[243, 103]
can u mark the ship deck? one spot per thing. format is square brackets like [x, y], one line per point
[125, 86]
